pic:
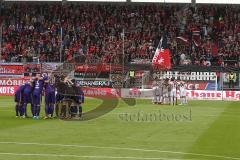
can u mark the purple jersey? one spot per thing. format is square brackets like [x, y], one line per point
[45, 78]
[19, 93]
[38, 87]
[28, 89]
[49, 93]
[27, 93]
[49, 88]
[80, 97]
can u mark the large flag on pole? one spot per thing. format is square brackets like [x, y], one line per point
[161, 59]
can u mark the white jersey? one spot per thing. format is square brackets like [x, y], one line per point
[174, 86]
[160, 89]
[165, 90]
[156, 95]
[156, 91]
[183, 90]
[173, 89]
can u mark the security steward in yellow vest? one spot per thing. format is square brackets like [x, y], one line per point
[131, 75]
[231, 78]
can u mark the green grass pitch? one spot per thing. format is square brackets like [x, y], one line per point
[212, 133]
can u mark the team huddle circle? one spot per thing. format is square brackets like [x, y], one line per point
[63, 98]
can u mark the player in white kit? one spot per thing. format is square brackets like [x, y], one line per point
[155, 92]
[165, 91]
[160, 92]
[183, 93]
[173, 91]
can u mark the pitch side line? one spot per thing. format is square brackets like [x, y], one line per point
[77, 156]
[120, 148]
[6, 110]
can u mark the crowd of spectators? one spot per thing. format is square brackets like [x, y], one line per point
[96, 33]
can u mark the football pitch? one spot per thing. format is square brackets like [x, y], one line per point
[202, 130]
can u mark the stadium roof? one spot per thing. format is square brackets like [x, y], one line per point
[163, 1]
[219, 1]
[145, 1]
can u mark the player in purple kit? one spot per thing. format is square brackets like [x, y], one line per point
[80, 101]
[59, 100]
[27, 97]
[18, 98]
[38, 85]
[49, 99]
[77, 101]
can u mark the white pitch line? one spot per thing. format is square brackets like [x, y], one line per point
[120, 148]
[4, 110]
[78, 156]
[221, 115]
[5, 106]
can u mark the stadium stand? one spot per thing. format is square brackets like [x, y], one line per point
[198, 35]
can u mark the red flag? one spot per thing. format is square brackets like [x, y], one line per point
[197, 41]
[195, 31]
[183, 40]
[161, 59]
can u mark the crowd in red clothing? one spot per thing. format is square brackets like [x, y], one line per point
[197, 35]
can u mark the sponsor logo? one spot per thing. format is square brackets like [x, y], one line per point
[214, 95]
[11, 69]
[189, 76]
[12, 82]
[7, 90]
[135, 92]
[94, 93]
[90, 75]
[191, 94]
[94, 83]
[101, 92]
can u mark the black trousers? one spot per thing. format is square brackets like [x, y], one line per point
[231, 84]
